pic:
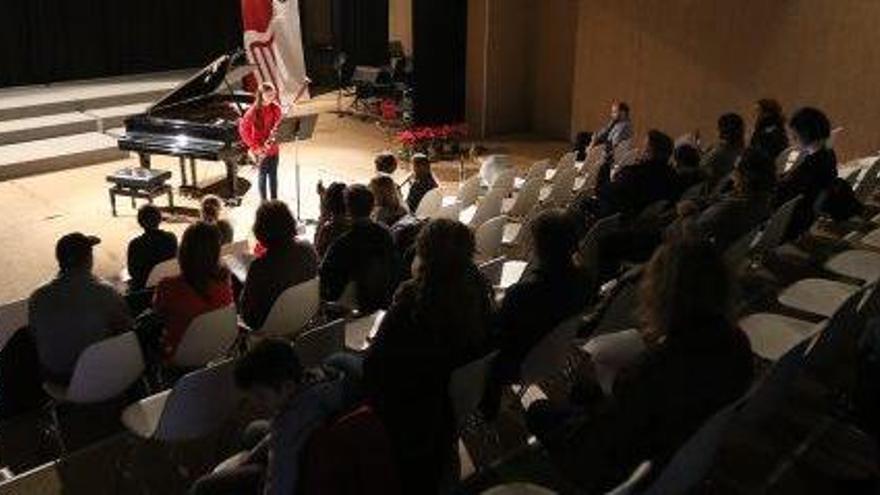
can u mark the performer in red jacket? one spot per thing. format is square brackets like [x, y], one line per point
[257, 129]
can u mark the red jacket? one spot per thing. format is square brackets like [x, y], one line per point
[180, 304]
[257, 124]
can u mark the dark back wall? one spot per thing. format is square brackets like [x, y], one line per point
[44, 41]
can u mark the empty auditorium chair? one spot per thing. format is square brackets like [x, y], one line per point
[449, 212]
[524, 200]
[430, 203]
[636, 478]
[773, 335]
[314, 346]
[538, 170]
[468, 193]
[292, 310]
[166, 269]
[547, 358]
[488, 238]
[489, 207]
[519, 488]
[208, 337]
[467, 385]
[359, 332]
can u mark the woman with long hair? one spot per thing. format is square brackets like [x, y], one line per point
[423, 181]
[202, 286]
[438, 321]
[769, 133]
[694, 361]
[388, 208]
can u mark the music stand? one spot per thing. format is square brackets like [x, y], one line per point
[303, 130]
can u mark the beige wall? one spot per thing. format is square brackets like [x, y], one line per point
[520, 63]
[681, 63]
[400, 23]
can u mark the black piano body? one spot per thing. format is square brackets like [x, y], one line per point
[198, 120]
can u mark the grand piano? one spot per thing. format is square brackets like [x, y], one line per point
[198, 120]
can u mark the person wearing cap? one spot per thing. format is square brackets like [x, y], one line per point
[74, 310]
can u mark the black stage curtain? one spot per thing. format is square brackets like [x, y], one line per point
[361, 32]
[44, 41]
[439, 50]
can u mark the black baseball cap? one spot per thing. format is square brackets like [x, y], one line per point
[73, 250]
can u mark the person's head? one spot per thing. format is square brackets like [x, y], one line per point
[333, 200]
[211, 208]
[619, 110]
[274, 225]
[385, 193]
[732, 129]
[199, 256]
[555, 238]
[810, 126]
[658, 147]
[768, 110]
[686, 157]
[444, 249]
[358, 201]
[149, 217]
[385, 163]
[754, 173]
[269, 373]
[422, 167]
[686, 288]
[74, 252]
[266, 93]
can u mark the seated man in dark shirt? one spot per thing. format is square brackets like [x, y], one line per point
[363, 257]
[287, 262]
[546, 296]
[150, 248]
[634, 187]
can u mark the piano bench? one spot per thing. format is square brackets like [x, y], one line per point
[147, 193]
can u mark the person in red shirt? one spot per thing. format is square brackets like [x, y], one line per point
[203, 285]
[256, 129]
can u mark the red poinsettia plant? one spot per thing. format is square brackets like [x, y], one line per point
[431, 140]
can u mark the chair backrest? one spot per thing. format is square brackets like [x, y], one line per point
[198, 404]
[563, 188]
[106, 369]
[469, 191]
[869, 181]
[13, 316]
[538, 170]
[492, 270]
[430, 203]
[527, 197]
[774, 234]
[489, 207]
[737, 253]
[589, 248]
[165, 269]
[568, 159]
[314, 346]
[620, 312]
[692, 461]
[505, 181]
[467, 385]
[450, 212]
[293, 309]
[41, 480]
[550, 354]
[631, 484]
[208, 337]
[518, 488]
[489, 236]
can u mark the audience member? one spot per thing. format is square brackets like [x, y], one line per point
[386, 164]
[686, 162]
[204, 285]
[74, 310]
[813, 174]
[719, 160]
[696, 362]
[387, 208]
[363, 257]
[423, 181]
[737, 213]
[299, 403]
[769, 133]
[546, 295]
[617, 130]
[150, 248]
[649, 180]
[333, 221]
[438, 321]
[212, 212]
[287, 262]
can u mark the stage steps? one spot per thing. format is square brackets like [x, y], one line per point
[66, 125]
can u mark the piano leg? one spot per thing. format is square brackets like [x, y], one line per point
[192, 169]
[182, 162]
[232, 182]
[144, 159]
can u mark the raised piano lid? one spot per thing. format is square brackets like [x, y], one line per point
[204, 83]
